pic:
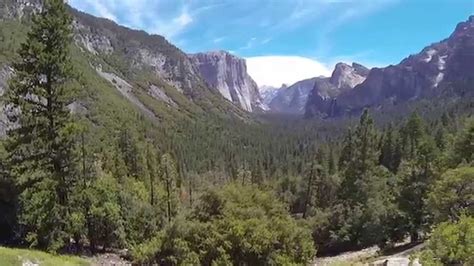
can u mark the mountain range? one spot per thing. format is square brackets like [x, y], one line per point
[440, 69]
[161, 82]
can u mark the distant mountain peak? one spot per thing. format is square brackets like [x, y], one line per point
[419, 76]
[347, 76]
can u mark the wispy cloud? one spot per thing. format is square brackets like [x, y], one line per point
[342, 13]
[99, 8]
[218, 39]
[154, 16]
[246, 27]
[171, 28]
[250, 44]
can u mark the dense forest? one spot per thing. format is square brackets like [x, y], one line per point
[269, 190]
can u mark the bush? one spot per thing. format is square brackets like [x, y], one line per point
[453, 194]
[451, 244]
[231, 225]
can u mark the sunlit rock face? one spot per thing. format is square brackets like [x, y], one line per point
[343, 79]
[443, 68]
[228, 74]
[292, 99]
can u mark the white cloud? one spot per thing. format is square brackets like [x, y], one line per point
[277, 70]
[99, 8]
[171, 29]
[148, 15]
[218, 39]
[183, 19]
[250, 44]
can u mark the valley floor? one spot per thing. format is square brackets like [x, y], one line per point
[370, 256]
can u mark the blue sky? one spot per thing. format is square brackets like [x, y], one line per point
[287, 40]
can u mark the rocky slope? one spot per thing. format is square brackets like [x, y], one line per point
[228, 74]
[293, 100]
[444, 68]
[5, 73]
[343, 79]
[136, 52]
[153, 75]
[268, 93]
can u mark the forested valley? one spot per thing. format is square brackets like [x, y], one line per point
[214, 190]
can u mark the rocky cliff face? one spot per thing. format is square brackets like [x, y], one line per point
[18, 9]
[228, 74]
[292, 99]
[268, 93]
[139, 52]
[346, 77]
[319, 91]
[149, 64]
[443, 68]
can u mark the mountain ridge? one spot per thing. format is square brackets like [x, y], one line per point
[147, 70]
[293, 100]
[424, 75]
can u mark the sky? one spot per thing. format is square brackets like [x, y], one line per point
[285, 41]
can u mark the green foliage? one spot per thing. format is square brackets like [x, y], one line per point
[40, 149]
[416, 174]
[171, 184]
[12, 34]
[141, 219]
[232, 225]
[357, 171]
[451, 244]
[129, 181]
[464, 145]
[18, 257]
[390, 151]
[105, 223]
[453, 194]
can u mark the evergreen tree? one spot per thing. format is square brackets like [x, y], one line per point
[130, 152]
[412, 134]
[169, 177]
[357, 172]
[452, 195]
[152, 173]
[41, 146]
[390, 151]
[347, 150]
[417, 172]
[464, 145]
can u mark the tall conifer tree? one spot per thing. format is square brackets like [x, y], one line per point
[41, 144]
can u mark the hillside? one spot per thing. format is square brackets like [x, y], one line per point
[118, 146]
[125, 73]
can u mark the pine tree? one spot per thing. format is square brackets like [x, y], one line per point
[364, 155]
[130, 152]
[41, 146]
[152, 172]
[390, 154]
[463, 150]
[412, 134]
[347, 150]
[169, 177]
[417, 173]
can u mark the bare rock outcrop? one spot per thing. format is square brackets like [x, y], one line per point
[228, 74]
